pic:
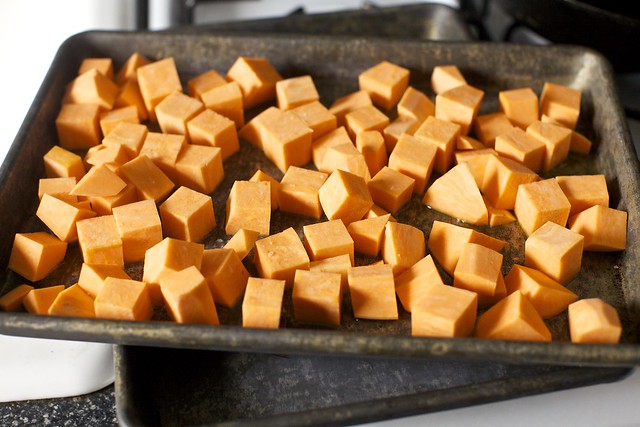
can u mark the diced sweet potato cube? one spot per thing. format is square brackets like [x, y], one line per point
[187, 215]
[204, 82]
[12, 300]
[371, 144]
[447, 240]
[516, 144]
[317, 117]
[348, 103]
[584, 191]
[502, 178]
[249, 207]
[226, 275]
[520, 106]
[498, 216]
[444, 311]
[459, 105]
[399, 126]
[512, 318]
[99, 181]
[123, 299]
[557, 140]
[188, 298]
[148, 179]
[91, 87]
[317, 297]
[280, 255]
[372, 292]
[38, 301]
[273, 184]
[339, 264]
[35, 255]
[412, 284]
[414, 157]
[103, 65]
[72, 302]
[78, 126]
[604, 229]
[139, 228]
[296, 91]
[416, 104]
[367, 234]
[167, 256]
[61, 217]
[211, 128]
[130, 67]
[158, 80]
[385, 82]
[547, 296]
[109, 119]
[456, 194]
[479, 270]
[262, 303]
[443, 135]
[299, 192]
[200, 168]
[560, 103]
[226, 100]
[593, 320]
[320, 146]
[391, 189]
[541, 201]
[285, 139]
[58, 188]
[345, 196]
[365, 118]
[477, 160]
[467, 143]
[100, 240]
[257, 79]
[130, 136]
[402, 246]
[105, 205]
[93, 276]
[445, 77]
[554, 250]
[175, 110]
[327, 239]
[62, 163]
[130, 95]
[110, 155]
[164, 149]
[579, 143]
[242, 242]
[346, 157]
[488, 126]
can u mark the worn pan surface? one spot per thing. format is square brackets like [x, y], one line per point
[335, 64]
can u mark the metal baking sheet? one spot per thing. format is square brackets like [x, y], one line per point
[417, 21]
[170, 387]
[335, 63]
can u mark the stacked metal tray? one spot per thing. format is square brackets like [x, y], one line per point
[228, 373]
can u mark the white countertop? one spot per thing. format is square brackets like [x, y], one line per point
[29, 40]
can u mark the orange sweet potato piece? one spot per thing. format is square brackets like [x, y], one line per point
[262, 303]
[457, 195]
[12, 300]
[444, 311]
[593, 320]
[512, 318]
[38, 301]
